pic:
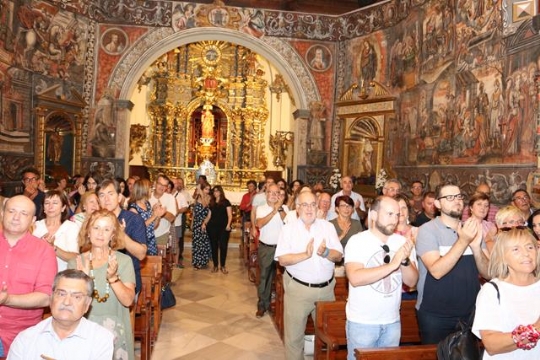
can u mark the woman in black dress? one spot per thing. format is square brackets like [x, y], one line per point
[219, 227]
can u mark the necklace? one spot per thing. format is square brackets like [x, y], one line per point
[95, 294]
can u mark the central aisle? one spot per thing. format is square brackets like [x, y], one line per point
[214, 317]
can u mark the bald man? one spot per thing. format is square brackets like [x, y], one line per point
[27, 269]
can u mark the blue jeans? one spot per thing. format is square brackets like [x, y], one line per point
[370, 336]
[2, 349]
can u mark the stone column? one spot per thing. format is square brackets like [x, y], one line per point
[122, 110]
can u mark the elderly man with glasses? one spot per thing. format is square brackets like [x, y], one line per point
[522, 200]
[308, 248]
[451, 260]
[161, 197]
[378, 262]
[269, 219]
[66, 332]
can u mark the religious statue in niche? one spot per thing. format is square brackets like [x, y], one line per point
[102, 140]
[317, 125]
[54, 148]
[207, 120]
[367, 157]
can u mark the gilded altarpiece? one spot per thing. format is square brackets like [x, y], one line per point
[207, 105]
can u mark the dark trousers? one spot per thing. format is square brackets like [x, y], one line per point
[219, 243]
[267, 265]
[180, 234]
[434, 328]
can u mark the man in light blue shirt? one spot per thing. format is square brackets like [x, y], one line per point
[66, 332]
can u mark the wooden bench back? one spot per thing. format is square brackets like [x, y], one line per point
[332, 318]
[152, 265]
[410, 333]
[410, 352]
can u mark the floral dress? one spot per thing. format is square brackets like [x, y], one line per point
[201, 242]
[150, 234]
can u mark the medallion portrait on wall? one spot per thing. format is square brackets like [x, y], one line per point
[114, 41]
[219, 17]
[319, 58]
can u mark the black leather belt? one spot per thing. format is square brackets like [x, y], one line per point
[319, 285]
[272, 246]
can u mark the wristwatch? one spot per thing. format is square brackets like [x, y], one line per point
[406, 262]
[280, 209]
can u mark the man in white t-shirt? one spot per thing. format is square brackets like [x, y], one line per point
[182, 206]
[160, 195]
[346, 189]
[269, 219]
[377, 264]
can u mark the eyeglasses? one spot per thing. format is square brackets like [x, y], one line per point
[76, 296]
[452, 197]
[165, 185]
[272, 192]
[521, 198]
[306, 205]
[386, 257]
[519, 227]
[30, 179]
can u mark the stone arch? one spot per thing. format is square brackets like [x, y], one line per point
[157, 42]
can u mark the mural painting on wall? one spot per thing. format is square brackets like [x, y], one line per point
[317, 133]
[43, 39]
[15, 125]
[460, 107]
[189, 15]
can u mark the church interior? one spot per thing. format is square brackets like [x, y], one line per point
[430, 90]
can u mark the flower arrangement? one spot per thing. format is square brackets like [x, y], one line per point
[382, 176]
[335, 179]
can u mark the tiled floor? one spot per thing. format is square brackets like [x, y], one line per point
[214, 317]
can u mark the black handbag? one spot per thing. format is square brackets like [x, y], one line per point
[168, 299]
[461, 345]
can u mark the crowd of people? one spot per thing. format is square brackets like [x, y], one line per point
[420, 244]
[78, 253]
[81, 258]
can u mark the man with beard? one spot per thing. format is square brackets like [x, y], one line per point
[451, 260]
[308, 248]
[377, 264]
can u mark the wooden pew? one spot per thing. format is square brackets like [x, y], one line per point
[330, 334]
[152, 278]
[409, 352]
[142, 321]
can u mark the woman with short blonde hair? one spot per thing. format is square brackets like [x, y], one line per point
[507, 313]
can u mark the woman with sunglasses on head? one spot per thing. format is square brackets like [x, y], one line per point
[201, 215]
[219, 227]
[507, 313]
[507, 217]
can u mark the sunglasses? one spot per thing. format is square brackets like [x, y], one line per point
[520, 227]
[386, 257]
